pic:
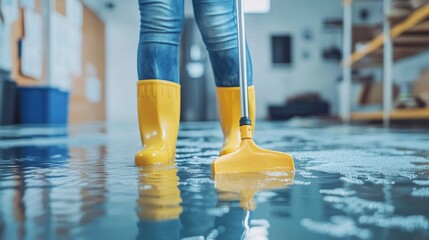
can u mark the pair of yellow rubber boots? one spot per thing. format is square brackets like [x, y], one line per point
[159, 117]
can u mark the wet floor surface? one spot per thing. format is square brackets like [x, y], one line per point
[80, 183]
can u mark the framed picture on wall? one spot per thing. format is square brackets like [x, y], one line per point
[281, 49]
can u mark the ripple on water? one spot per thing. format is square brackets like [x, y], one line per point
[420, 192]
[338, 191]
[298, 182]
[352, 180]
[218, 211]
[358, 206]
[421, 182]
[358, 166]
[410, 223]
[338, 226]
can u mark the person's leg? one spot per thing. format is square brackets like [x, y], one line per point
[218, 25]
[159, 89]
[161, 23]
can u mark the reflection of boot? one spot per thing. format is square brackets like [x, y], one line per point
[228, 99]
[159, 195]
[158, 203]
[243, 187]
[159, 115]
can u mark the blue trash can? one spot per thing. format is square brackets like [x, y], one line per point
[42, 105]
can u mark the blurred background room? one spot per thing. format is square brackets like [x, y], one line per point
[75, 62]
[341, 85]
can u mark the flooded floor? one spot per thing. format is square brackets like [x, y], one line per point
[80, 183]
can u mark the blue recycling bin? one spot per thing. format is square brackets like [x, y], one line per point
[42, 105]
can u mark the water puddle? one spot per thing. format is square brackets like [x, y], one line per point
[350, 182]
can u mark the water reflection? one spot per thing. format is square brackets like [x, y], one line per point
[238, 222]
[225, 214]
[245, 186]
[350, 183]
[41, 199]
[158, 204]
[91, 167]
[27, 189]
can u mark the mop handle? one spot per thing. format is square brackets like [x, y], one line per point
[242, 59]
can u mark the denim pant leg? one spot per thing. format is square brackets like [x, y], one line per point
[217, 22]
[161, 23]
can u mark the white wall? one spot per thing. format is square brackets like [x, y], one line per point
[274, 84]
[122, 34]
[5, 43]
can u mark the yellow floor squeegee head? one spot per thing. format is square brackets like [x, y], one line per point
[249, 158]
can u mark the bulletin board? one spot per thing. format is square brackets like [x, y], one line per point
[83, 107]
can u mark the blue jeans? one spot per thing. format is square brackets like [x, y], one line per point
[160, 29]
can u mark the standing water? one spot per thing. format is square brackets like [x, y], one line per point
[81, 183]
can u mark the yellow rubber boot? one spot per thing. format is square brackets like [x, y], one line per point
[159, 117]
[228, 102]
